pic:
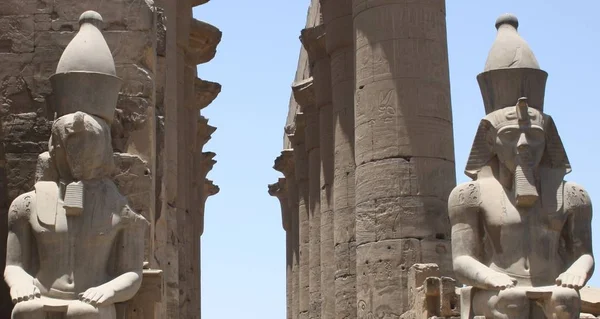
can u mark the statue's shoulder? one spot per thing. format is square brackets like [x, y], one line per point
[20, 208]
[465, 196]
[575, 197]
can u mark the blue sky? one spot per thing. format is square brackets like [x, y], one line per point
[243, 246]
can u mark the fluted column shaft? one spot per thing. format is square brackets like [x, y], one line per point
[280, 191]
[404, 147]
[313, 40]
[301, 168]
[286, 165]
[322, 78]
[337, 17]
[295, 246]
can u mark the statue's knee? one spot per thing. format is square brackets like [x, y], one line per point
[28, 310]
[565, 303]
[82, 310]
[510, 304]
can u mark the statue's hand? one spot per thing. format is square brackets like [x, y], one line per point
[500, 281]
[571, 279]
[19, 293]
[97, 296]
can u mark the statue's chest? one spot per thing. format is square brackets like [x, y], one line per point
[92, 225]
[501, 213]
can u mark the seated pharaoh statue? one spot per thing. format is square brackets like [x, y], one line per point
[521, 235]
[74, 247]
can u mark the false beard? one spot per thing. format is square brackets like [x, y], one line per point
[525, 183]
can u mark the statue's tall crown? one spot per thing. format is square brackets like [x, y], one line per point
[85, 78]
[511, 70]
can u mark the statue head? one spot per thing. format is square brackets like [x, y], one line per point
[515, 140]
[80, 147]
[85, 90]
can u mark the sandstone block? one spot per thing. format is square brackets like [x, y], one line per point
[17, 7]
[400, 217]
[137, 80]
[382, 279]
[396, 177]
[25, 133]
[117, 14]
[438, 251]
[17, 35]
[386, 135]
[20, 173]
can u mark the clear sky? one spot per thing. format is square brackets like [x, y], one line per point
[243, 246]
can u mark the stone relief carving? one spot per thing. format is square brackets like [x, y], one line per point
[521, 235]
[74, 245]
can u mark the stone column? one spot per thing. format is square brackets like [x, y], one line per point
[285, 164]
[404, 148]
[301, 172]
[313, 40]
[280, 191]
[337, 17]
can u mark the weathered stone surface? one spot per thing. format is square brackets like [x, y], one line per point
[20, 172]
[18, 34]
[137, 80]
[25, 133]
[117, 14]
[205, 92]
[203, 41]
[382, 277]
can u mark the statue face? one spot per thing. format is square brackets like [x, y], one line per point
[520, 145]
[81, 147]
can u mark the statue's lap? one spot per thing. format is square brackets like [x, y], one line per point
[70, 307]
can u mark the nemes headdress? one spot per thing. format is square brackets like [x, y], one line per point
[511, 73]
[85, 78]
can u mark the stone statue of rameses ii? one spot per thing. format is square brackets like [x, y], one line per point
[74, 245]
[521, 235]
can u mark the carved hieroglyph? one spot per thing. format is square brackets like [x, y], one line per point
[74, 245]
[521, 235]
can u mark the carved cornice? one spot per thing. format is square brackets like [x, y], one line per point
[313, 40]
[203, 41]
[304, 93]
[205, 92]
[279, 190]
[284, 163]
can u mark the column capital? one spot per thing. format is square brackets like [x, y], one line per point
[203, 131]
[203, 41]
[284, 163]
[279, 190]
[313, 40]
[295, 132]
[304, 93]
[205, 92]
